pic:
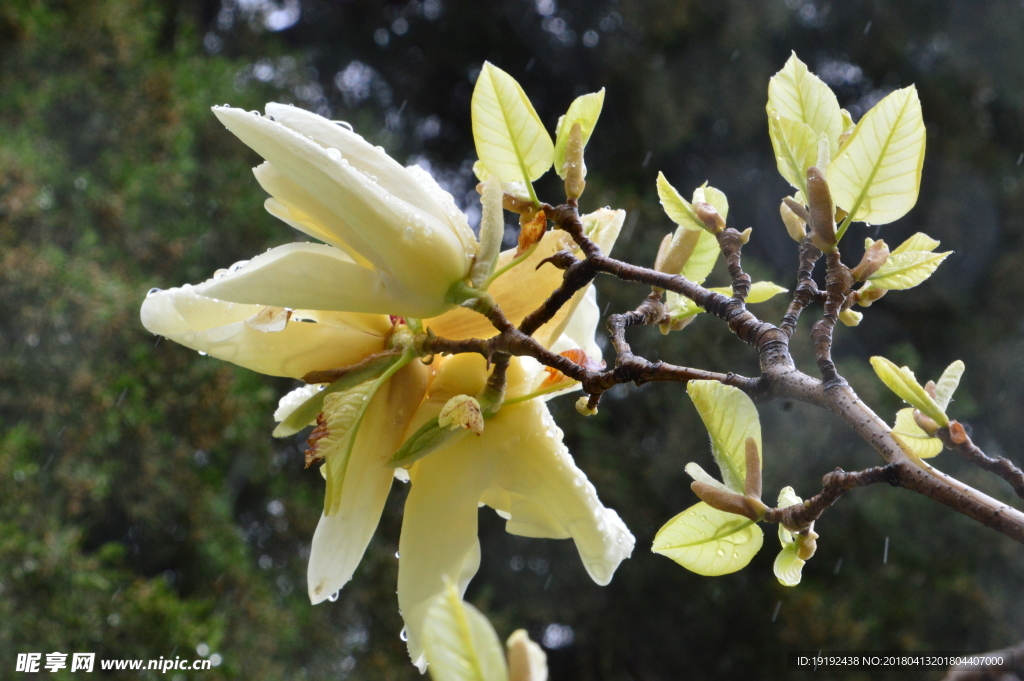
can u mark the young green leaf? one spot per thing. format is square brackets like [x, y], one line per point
[796, 148]
[510, 139]
[682, 212]
[459, 642]
[680, 307]
[799, 95]
[788, 566]
[918, 242]
[730, 417]
[907, 269]
[903, 382]
[709, 542]
[760, 291]
[909, 434]
[584, 110]
[876, 175]
[948, 383]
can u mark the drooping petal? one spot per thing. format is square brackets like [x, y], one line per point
[227, 331]
[316, 277]
[422, 252]
[341, 538]
[439, 533]
[531, 461]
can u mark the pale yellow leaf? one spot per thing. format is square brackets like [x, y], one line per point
[796, 148]
[799, 95]
[877, 173]
[918, 242]
[730, 417]
[948, 383]
[584, 110]
[788, 566]
[709, 542]
[909, 434]
[907, 269]
[510, 139]
[459, 642]
[902, 381]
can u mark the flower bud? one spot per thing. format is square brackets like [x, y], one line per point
[675, 250]
[866, 295]
[584, 408]
[462, 411]
[795, 226]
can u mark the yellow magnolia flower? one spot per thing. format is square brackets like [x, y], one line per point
[396, 243]
[519, 467]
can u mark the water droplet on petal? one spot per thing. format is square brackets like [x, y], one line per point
[720, 553]
[404, 634]
[334, 596]
[202, 353]
[153, 292]
[334, 153]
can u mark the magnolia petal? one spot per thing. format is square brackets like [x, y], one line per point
[398, 231]
[219, 329]
[439, 536]
[531, 461]
[316, 277]
[518, 292]
[341, 538]
[365, 157]
[292, 204]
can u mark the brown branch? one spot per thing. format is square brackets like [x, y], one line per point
[956, 438]
[838, 282]
[806, 290]
[730, 241]
[800, 517]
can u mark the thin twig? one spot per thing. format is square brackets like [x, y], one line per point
[956, 438]
[801, 516]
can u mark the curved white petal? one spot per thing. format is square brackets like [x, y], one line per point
[341, 538]
[456, 218]
[221, 330]
[365, 157]
[420, 250]
[318, 277]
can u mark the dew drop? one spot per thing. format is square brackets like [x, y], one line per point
[344, 124]
[396, 554]
[237, 266]
[404, 634]
[219, 273]
[153, 292]
[202, 353]
[334, 153]
[334, 596]
[720, 553]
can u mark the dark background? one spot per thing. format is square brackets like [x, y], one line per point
[145, 510]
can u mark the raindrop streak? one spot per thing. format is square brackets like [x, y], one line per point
[885, 554]
[775, 613]
[867, 27]
[647, 159]
[334, 596]
[838, 567]
[1020, 159]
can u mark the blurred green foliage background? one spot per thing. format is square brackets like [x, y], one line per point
[145, 511]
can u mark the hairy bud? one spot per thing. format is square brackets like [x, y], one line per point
[723, 501]
[575, 169]
[874, 257]
[821, 210]
[709, 216]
